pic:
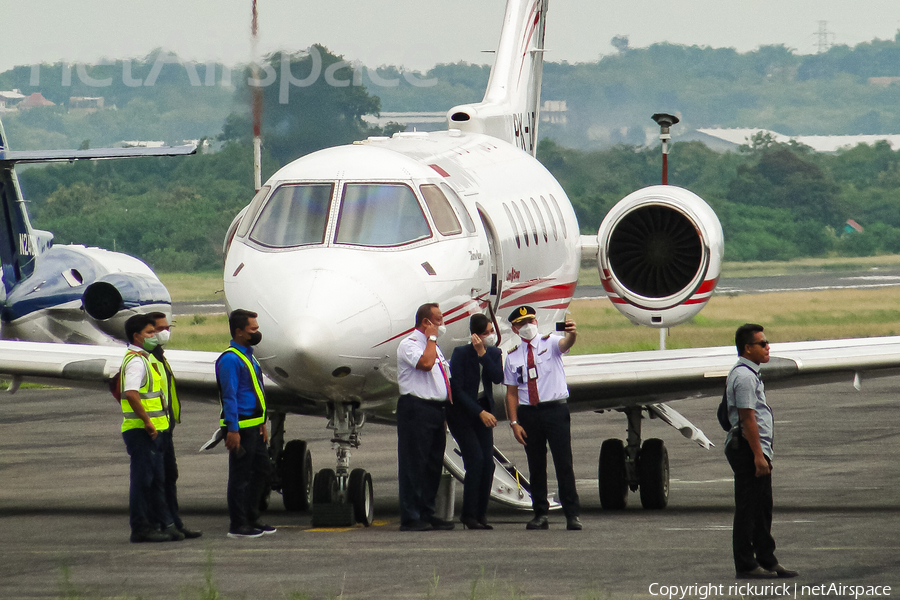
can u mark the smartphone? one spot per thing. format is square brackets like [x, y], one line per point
[561, 326]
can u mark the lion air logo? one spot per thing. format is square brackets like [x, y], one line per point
[513, 275]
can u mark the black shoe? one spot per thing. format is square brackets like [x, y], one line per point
[266, 529]
[573, 524]
[471, 523]
[148, 535]
[190, 533]
[483, 520]
[245, 532]
[539, 522]
[441, 524]
[757, 573]
[784, 573]
[173, 534]
[416, 526]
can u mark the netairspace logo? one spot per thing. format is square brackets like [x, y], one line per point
[265, 77]
[795, 590]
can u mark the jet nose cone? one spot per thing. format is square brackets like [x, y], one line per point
[322, 344]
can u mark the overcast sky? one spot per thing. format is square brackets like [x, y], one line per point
[416, 33]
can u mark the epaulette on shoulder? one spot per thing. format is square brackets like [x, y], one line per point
[513, 349]
[547, 337]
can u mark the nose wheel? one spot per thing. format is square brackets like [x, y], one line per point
[341, 497]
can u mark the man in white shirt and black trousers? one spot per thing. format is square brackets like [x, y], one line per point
[423, 377]
[536, 395]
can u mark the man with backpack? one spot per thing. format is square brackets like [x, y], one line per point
[749, 450]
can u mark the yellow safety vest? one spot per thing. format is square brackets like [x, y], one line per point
[150, 392]
[259, 417]
[168, 384]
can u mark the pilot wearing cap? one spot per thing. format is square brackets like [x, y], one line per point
[536, 395]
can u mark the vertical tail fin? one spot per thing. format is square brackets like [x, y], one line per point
[511, 105]
[17, 249]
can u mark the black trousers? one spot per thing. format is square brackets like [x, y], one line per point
[476, 444]
[170, 470]
[420, 456]
[751, 537]
[146, 499]
[248, 476]
[546, 424]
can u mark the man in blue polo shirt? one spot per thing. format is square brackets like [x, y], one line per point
[240, 382]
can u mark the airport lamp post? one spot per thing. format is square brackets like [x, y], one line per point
[665, 121]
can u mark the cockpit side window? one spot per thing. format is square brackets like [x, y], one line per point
[441, 212]
[460, 207]
[252, 210]
[295, 215]
[380, 215]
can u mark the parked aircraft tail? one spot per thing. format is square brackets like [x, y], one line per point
[511, 105]
[17, 242]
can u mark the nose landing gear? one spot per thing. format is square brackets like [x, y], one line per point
[342, 497]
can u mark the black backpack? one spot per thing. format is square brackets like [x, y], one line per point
[722, 411]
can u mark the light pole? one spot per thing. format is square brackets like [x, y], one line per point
[665, 121]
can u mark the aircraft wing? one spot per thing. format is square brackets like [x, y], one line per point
[611, 381]
[43, 156]
[94, 366]
[596, 381]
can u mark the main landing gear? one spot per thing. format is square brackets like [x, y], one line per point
[633, 466]
[338, 497]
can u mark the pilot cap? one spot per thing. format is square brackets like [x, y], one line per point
[523, 312]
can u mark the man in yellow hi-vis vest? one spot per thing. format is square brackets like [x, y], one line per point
[170, 465]
[144, 416]
[239, 378]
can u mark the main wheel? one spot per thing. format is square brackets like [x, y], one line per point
[653, 470]
[611, 477]
[359, 492]
[296, 476]
[324, 486]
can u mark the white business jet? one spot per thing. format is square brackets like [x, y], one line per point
[338, 249]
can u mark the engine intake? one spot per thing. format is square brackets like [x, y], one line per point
[661, 251]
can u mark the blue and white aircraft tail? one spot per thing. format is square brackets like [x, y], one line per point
[67, 293]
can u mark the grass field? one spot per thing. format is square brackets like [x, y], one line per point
[789, 316]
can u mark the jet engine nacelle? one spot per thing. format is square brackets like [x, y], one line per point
[115, 297]
[660, 255]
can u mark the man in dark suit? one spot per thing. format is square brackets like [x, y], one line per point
[473, 369]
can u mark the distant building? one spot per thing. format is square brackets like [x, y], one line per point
[10, 99]
[86, 103]
[418, 121]
[34, 100]
[555, 111]
[852, 227]
[883, 81]
[139, 144]
[730, 139]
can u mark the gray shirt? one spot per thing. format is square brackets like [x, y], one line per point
[744, 389]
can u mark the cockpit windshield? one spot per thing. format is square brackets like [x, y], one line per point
[374, 214]
[295, 215]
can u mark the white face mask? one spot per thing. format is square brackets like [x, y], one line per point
[163, 336]
[489, 340]
[528, 332]
[441, 330]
